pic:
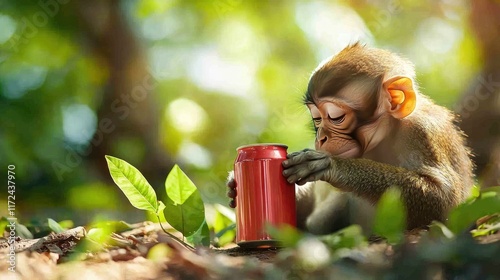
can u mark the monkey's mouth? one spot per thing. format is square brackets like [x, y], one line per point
[348, 153]
[348, 149]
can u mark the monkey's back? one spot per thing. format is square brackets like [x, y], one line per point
[445, 157]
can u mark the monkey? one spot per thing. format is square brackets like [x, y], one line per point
[375, 130]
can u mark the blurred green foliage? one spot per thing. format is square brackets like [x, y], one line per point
[390, 218]
[226, 73]
[443, 252]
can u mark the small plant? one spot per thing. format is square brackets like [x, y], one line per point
[183, 207]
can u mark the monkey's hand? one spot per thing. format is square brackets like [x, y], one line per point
[231, 193]
[308, 166]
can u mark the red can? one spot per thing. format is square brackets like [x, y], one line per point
[264, 196]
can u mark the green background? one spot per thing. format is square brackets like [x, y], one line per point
[164, 82]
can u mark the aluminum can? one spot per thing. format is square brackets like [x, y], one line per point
[263, 194]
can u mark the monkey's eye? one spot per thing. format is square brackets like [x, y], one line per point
[337, 120]
[316, 121]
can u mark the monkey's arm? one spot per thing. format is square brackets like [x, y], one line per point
[425, 197]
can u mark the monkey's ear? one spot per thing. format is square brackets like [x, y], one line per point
[401, 96]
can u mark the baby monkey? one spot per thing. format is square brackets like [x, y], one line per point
[375, 130]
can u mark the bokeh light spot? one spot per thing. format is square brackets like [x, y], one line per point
[331, 28]
[19, 81]
[79, 123]
[438, 35]
[195, 154]
[8, 28]
[209, 70]
[186, 115]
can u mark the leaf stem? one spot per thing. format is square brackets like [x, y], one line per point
[173, 236]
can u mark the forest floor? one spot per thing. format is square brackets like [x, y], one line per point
[145, 252]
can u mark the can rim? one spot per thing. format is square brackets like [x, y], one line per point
[262, 145]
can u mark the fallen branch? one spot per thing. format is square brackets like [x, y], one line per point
[59, 243]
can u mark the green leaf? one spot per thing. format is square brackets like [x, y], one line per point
[204, 236]
[286, 235]
[66, 224]
[349, 237]
[390, 217]
[465, 215]
[224, 228]
[184, 209]
[55, 226]
[438, 229]
[112, 226]
[201, 236]
[159, 252]
[475, 191]
[133, 184]
[99, 235]
[161, 206]
[485, 230]
[23, 232]
[3, 225]
[178, 186]
[229, 230]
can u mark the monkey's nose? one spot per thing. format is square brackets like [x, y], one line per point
[322, 140]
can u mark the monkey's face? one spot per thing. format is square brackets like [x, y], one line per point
[349, 122]
[334, 125]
